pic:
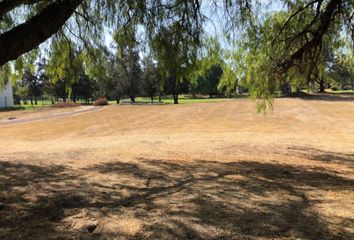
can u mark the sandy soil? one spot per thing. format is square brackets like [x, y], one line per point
[193, 171]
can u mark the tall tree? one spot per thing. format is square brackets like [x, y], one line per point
[208, 84]
[151, 78]
[115, 85]
[65, 64]
[175, 42]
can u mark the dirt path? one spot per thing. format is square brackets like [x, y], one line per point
[11, 121]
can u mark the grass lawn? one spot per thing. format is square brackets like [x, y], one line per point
[29, 106]
[340, 91]
[183, 99]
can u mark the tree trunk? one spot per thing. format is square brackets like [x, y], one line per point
[152, 99]
[117, 99]
[322, 86]
[237, 90]
[176, 89]
[132, 99]
[175, 98]
[35, 100]
[28, 35]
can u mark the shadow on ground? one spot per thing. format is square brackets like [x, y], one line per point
[314, 154]
[160, 199]
[329, 97]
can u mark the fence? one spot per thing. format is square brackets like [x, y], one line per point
[34, 102]
[7, 102]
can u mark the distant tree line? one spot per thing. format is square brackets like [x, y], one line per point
[303, 45]
[81, 75]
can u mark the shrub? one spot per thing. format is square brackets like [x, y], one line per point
[101, 101]
[65, 105]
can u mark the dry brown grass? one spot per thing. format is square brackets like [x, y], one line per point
[53, 110]
[194, 171]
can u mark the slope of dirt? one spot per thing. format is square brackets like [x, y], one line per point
[41, 112]
[194, 171]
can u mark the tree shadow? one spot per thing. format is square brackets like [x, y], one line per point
[328, 97]
[324, 156]
[174, 200]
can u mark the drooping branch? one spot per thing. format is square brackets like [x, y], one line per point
[319, 2]
[36, 30]
[326, 18]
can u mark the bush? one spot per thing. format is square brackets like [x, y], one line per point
[65, 105]
[101, 101]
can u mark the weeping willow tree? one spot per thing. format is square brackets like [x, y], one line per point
[293, 46]
[174, 41]
[289, 49]
[65, 65]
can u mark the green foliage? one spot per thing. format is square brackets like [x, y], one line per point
[233, 70]
[65, 64]
[341, 72]
[208, 83]
[5, 72]
[298, 47]
[151, 78]
[22, 92]
[211, 54]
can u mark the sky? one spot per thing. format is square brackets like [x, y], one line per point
[214, 26]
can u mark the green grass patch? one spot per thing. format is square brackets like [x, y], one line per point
[29, 106]
[340, 91]
[182, 99]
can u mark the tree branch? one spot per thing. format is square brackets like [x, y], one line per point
[8, 5]
[325, 20]
[36, 30]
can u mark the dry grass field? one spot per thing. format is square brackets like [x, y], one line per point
[193, 171]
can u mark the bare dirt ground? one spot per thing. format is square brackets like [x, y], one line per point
[41, 113]
[194, 171]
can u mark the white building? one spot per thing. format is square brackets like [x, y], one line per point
[6, 95]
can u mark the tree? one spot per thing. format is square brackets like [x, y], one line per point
[175, 49]
[132, 73]
[341, 72]
[60, 89]
[296, 41]
[208, 68]
[66, 64]
[115, 85]
[151, 78]
[33, 84]
[234, 70]
[47, 20]
[209, 82]
[34, 77]
[83, 88]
